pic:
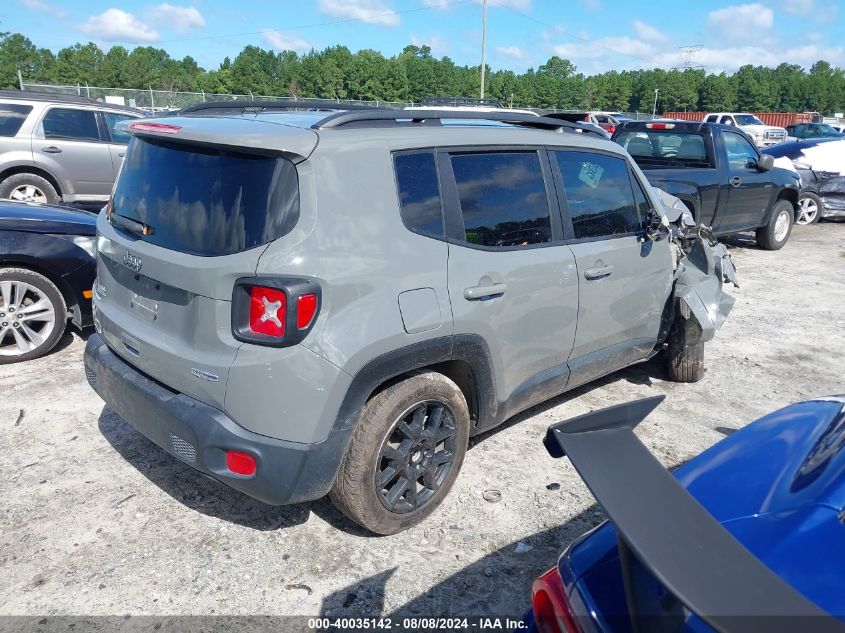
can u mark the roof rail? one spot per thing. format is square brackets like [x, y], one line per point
[365, 118]
[33, 95]
[460, 101]
[264, 105]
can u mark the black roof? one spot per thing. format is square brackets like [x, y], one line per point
[792, 149]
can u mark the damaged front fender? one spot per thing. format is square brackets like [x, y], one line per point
[699, 286]
[702, 267]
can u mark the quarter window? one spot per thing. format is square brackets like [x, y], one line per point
[12, 116]
[599, 195]
[112, 119]
[503, 198]
[419, 193]
[67, 123]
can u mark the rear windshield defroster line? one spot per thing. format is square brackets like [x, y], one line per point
[206, 201]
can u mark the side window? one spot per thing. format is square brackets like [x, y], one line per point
[67, 123]
[12, 116]
[599, 195]
[419, 193]
[503, 198]
[741, 153]
[112, 119]
[712, 118]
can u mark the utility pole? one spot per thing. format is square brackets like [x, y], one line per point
[654, 111]
[20, 78]
[483, 44]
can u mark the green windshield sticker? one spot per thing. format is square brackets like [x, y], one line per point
[591, 174]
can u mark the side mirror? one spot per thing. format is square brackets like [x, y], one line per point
[654, 227]
[765, 162]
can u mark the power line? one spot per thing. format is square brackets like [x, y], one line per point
[689, 55]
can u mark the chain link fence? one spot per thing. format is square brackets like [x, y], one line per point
[158, 101]
[165, 100]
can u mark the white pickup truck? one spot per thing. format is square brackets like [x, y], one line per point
[763, 135]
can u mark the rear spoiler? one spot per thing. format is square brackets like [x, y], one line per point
[663, 528]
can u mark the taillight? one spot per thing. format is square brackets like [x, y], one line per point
[660, 126]
[267, 311]
[240, 463]
[274, 311]
[552, 611]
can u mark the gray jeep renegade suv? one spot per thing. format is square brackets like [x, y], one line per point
[309, 303]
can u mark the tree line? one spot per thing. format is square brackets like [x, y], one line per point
[338, 73]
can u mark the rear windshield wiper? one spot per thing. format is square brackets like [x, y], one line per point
[130, 225]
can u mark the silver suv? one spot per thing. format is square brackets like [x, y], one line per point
[56, 148]
[303, 303]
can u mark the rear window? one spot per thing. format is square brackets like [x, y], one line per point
[205, 201]
[12, 116]
[665, 147]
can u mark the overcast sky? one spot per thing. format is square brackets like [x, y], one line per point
[597, 35]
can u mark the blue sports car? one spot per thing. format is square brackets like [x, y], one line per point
[746, 537]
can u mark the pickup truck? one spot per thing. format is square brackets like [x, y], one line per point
[719, 174]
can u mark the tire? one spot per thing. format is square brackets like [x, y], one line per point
[809, 209]
[28, 188]
[777, 230]
[380, 442]
[38, 331]
[685, 359]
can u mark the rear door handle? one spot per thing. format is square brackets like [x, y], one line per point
[51, 150]
[736, 181]
[122, 154]
[599, 272]
[480, 292]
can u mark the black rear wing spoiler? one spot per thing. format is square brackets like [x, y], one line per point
[668, 532]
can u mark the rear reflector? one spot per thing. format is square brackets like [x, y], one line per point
[267, 311]
[660, 126]
[154, 127]
[87, 293]
[240, 463]
[306, 307]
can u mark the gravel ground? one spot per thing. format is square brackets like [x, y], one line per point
[96, 520]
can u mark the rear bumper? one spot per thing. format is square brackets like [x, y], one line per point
[200, 435]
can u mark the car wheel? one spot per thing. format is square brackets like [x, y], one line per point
[28, 188]
[775, 233]
[809, 209]
[404, 455]
[685, 351]
[32, 315]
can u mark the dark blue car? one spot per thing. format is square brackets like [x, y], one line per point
[46, 272]
[746, 537]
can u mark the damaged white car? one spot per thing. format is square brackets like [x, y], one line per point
[821, 165]
[702, 265]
